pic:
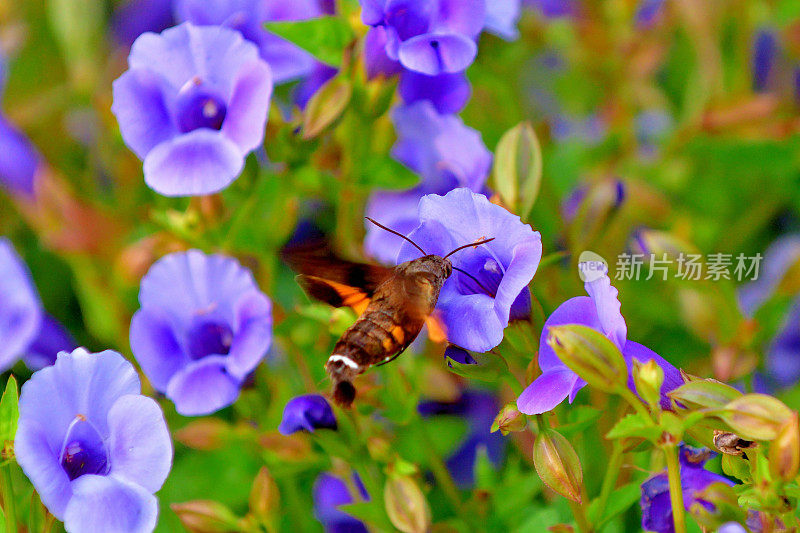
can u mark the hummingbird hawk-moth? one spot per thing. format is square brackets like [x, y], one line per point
[393, 304]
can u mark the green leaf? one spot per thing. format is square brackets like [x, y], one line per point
[634, 425]
[489, 367]
[386, 173]
[9, 412]
[622, 499]
[579, 418]
[369, 512]
[325, 37]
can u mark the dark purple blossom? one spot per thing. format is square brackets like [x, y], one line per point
[459, 355]
[446, 153]
[135, 17]
[428, 36]
[656, 506]
[51, 339]
[307, 413]
[95, 449]
[192, 105]
[20, 308]
[478, 409]
[783, 354]
[601, 311]
[19, 161]
[476, 307]
[204, 325]
[287, 61]
[648, 11]
[329, 493]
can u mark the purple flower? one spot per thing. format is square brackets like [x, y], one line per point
[329, 493]
[428, 36]
[203, 327]
[656, 506]
[192, 105]
[765, 50]
[19, 161]
[502, 17]
[783, 355]
[779, 258]
[307, 413]
[448, 92]
[648, 11]
[20, 308]
[26, 331]
[445, 152]
[94, 448]
[459, 355]
[554, 8]
[51, 339]
[476, 307]
[601, 311]
[136, 17]
[478, 408]
[287, 60]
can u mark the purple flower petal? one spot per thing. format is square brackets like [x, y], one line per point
[249, 106]
[20, 309]
[157, 350]
[254, 335]
[307, 413]
[203, 387]
[606, 301]
[200, 162]
[466, 17]
[778, 259]
[51, 339]
[329, 493]
[783, 355]
[672, 376]
[139, 442]
[448, 93]
[577, 310]
[106, 503]
[376, 61]
[765, 51]
[396, 210]
[548, 390]
[142, 111]
[19, 161]
[501, 18]
[136, 17]
[434, 54]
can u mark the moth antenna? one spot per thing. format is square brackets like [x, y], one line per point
[477, 243]
[473, 278]
[398, 234]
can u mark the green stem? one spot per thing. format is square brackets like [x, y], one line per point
[579, 513]
[675, 490]
[7, 491]
[440, 471]
[637, 405]
[610, 479]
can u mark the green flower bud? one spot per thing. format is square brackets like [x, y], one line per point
[648, 378]
[784, 451]
[704, 393]
[406, 505]
[557, 464]
[205, 516]
[509, 419]
[591, 355]
[756, 416]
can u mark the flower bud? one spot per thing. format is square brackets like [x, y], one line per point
[264, 495]
[517, 173]
[591, 355]
[509, 419]
[205, 516]
[648, 378]
[327, 105]
[557, 464]
[704, 393]
[406, 505]
[756, 416]
[784, 451]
